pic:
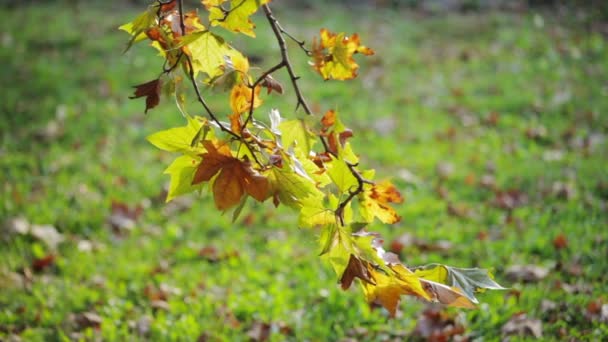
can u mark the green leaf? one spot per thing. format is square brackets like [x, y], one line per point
[137, 27]
[237, 19]
[314, 213]
[182, 172]
[291, 187]
[339, 248]
[295, 132]
[341, 175]
[207, 52]
[178, 139]
[468, 280]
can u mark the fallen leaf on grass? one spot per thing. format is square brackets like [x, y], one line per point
[444, 170]
[86, 320]
[521, 325]
[510, 199]
[407, 240]
[597, 311]
[122, 217]
[560, 242]
[526, 273]
[40, 264]
[47, 234]
[260, 331]
[436, 325]
[212, 254]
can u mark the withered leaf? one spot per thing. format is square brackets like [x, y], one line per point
[235, 177]
[356, 268]
[151, 90]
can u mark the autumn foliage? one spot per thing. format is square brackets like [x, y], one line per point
[306, 163]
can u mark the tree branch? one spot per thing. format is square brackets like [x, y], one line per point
[278, 33]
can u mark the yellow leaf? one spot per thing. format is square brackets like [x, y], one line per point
[333, 55]
[375, 201]
[236, 18]
[388, 289]
[240, 98]
[207, 52]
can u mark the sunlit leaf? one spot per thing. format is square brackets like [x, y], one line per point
[240, 98]
[341, 175]
[235, 178]
[467, 280]
[139, 25]
[178, 139]
[333, 55]
[375, 201]
[296, 132]
[236, 16]
[149, 90]
[182, 172]
[207, 51]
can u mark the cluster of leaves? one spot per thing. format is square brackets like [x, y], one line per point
[303, 163]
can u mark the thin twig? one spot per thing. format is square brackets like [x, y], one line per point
[256, 83]
[193, 79]
[274, 24]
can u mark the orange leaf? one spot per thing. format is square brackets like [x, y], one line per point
[240, 98]
[235, 177]
[375, 202]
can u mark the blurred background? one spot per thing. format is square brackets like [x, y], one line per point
[490, 116]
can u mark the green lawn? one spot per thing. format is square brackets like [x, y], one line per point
[466, 113]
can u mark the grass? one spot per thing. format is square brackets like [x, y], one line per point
[483, 94]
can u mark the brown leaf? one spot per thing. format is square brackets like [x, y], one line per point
[151, 90]
[40, 264]
[356, 268]
[271, 84]
[235, 177]
[436, 325]
[560, 242]
[123, 217]
[88, 320]
[510, 199]
[259, 331]
[521, 325]
[526, 273]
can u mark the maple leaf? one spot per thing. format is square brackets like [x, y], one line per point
[182, 171]
[356, 268]
[235, 178]
[466, 280]
[151, 90]
[295, 132]
[290, 187]
[388, 289]
[340, 174]
[235, 19]
[333, 55]
[375, 201]
[240, 98]
[207, 52]
[139, 25]
[179, 139]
